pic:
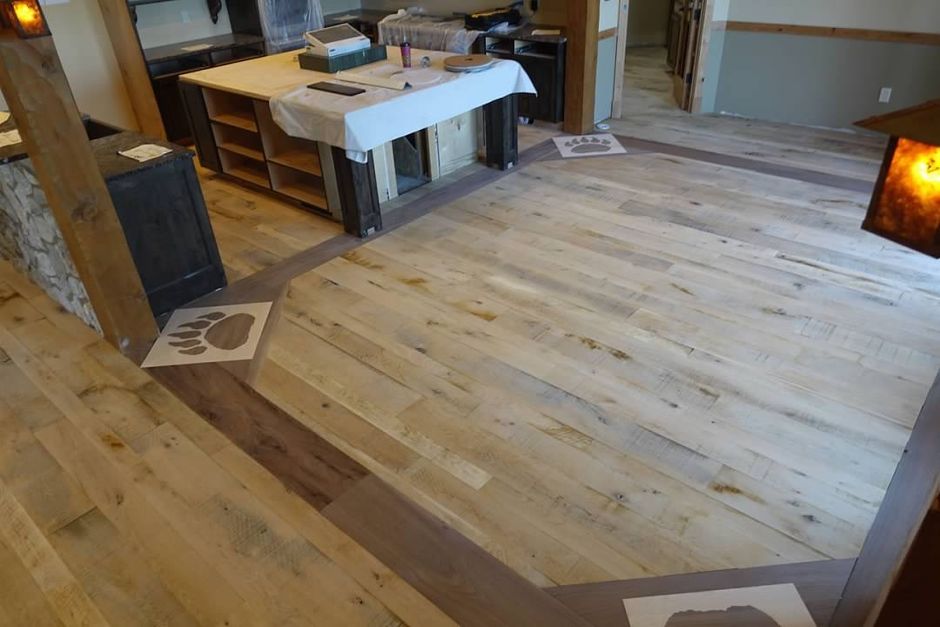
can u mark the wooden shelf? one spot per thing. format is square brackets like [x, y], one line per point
[303, 160]
[247, 173]
[245, 151]
[304, 193]
[244, 121]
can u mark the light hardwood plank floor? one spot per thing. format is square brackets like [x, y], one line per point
[120, 506]
[631, 366]
[595, 369]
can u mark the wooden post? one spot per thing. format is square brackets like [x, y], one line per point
[358, 192]
[501, 130]
[37, 92]
[581, 65]
[130, 58]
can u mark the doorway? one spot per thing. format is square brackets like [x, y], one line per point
[663, 48]
[684, 37]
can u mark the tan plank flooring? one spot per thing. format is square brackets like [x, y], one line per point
[256, 230]
[120, 506]
[630, 366]
[595, 369]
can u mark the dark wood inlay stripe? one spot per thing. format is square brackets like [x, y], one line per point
[467, 583]
[462, 579]
[754, 165]
[910, 494]
[306, 463]
[820, 585]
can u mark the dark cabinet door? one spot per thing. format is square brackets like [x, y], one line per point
[167, 226]
[544, 77]
[170, 103]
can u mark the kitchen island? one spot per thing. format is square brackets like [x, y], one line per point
[327, 158]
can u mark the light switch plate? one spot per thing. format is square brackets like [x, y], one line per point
[884, 96]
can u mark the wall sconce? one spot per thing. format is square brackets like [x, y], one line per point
[905, 206]
[25, 17]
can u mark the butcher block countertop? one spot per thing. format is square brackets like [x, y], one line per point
[260, 78]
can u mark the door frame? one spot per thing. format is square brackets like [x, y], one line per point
[617, 109]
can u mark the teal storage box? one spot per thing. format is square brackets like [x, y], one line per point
[343, 61]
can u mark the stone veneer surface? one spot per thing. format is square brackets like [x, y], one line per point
[32, 241]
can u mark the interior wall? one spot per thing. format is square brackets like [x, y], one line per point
[824, 81]
[337, 6]
[898, 15]
[164, 23]
[550, 11]
[89, 62]
[647, 22]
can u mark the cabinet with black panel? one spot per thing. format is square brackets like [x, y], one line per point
[543, 58]
[163, 213]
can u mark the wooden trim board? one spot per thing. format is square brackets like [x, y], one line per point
[820, 585]
[37, 92]
[930, 39]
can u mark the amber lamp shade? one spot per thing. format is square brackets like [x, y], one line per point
[25, 17]
[905, 207]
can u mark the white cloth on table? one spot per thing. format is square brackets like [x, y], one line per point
[366, 121]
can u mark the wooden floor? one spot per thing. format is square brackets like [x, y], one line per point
[255, 230]
[120, 506]
[628, 366]
[593, 369]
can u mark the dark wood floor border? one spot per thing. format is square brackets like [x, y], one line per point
[753, 165]
[820, 584]
[459, 577]
[467, 583]
[910, 494]
[307, 464]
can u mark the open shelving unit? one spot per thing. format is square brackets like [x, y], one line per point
[252, 148]
[294, 163]
[543, 58]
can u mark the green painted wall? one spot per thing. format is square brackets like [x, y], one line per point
[822, 81]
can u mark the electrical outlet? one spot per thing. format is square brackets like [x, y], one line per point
[884, 96]
[184, 17]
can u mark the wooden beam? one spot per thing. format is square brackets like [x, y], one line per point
[910, 495]
[37, 92]
[130, 58]
[581, 65]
